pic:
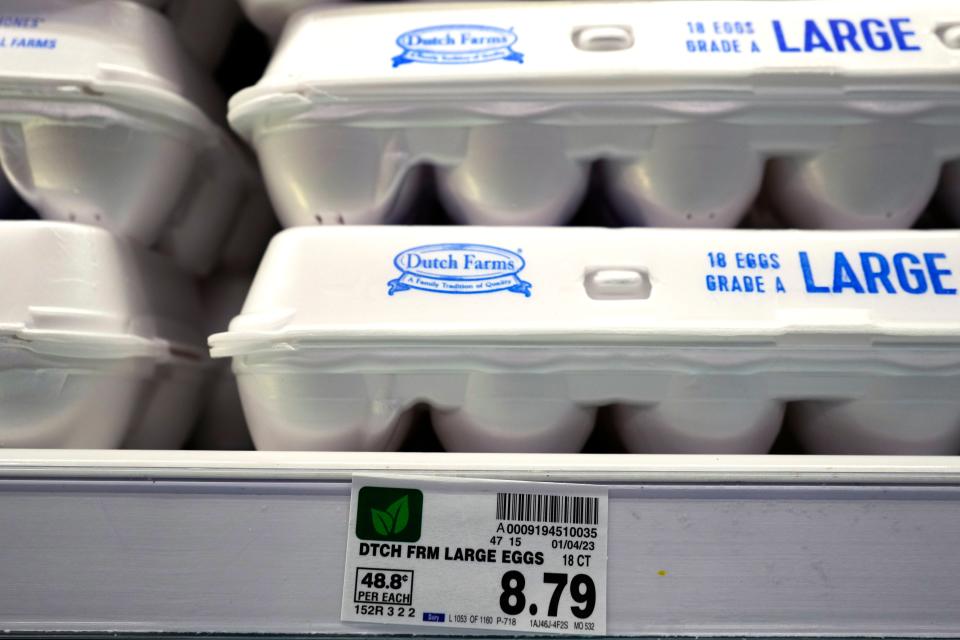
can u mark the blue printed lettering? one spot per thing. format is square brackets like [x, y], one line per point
[901, 34]
[875, 36]
[843, 275]
[876, 273]
[937, 273]
[757, 260]
[456, 268]
[814, 38]
[33, 43]
[736, 284]
[416, 261]
[876, 269]
[916, 285]
[782, 39]
[812, 286]
[838, 35]
[844, 35]
[713, 46]
[21, 22]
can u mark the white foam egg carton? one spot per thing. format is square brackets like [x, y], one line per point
[702, 341]
[105, 121]
[101, 342]
[849, 111]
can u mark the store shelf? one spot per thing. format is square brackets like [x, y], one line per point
[254, 542]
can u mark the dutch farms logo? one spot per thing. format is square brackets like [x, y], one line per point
[457, 44]
[387, 513]
[459, 269]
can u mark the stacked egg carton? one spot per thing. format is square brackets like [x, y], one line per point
[698, 340]
[112, 135]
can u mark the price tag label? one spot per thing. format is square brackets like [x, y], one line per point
[521, 557]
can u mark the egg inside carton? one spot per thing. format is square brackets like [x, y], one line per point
[722, 337]
[524, 173]
[505, 412]
[686, 138]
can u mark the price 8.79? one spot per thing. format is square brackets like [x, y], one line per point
[582, 591]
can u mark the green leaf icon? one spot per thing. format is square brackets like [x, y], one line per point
[388, 513]
[382, 522]
[399, 513]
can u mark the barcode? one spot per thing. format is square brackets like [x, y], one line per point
[535, 507]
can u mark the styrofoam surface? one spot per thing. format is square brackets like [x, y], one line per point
[91, 328]
[513, 101]
[515, 338]
[104, 120]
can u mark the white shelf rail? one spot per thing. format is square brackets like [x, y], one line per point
[187, 542]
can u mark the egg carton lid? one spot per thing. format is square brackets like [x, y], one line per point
[102, 51]
[79, 291]
[570, 288]
[394, 59]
